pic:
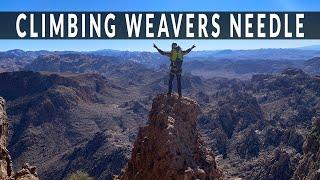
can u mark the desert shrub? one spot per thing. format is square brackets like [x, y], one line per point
[79, 175]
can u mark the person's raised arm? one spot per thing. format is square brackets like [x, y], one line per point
[162, 52]
[188, 50]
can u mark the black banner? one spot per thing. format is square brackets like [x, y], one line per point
[160, 25]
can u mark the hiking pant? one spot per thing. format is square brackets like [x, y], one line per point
[178, 83]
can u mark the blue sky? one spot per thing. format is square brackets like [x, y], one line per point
[160, 5]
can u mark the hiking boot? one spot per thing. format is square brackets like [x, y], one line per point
[168, 94]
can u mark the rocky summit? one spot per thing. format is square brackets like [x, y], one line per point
[6, 172]
[169, 147]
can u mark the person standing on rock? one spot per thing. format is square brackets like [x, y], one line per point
[176, 57]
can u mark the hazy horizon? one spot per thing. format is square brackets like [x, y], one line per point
[202, 45]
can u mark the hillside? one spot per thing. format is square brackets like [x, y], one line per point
[6, 171]
[56, 118]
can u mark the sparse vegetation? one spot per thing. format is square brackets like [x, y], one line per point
[79, 175]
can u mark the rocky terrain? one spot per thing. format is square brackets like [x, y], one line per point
[309, 166]
[60, 122]
[82, 112]
[6, 171]
[169, 147]
[259, 126]
[311, 66]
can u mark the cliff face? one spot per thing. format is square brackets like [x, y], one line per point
[169, 146]
[6, 173]
[5, 159]
[309, 166]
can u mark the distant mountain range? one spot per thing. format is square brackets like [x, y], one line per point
[312, 47]
[275, 54]
[225, 63]
[301, 53]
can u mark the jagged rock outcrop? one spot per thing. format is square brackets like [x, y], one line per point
[248, 144]
[276, 136]
[5, 159]
[169, 146]
[309, 166]
[280, 165]
[6, 173]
